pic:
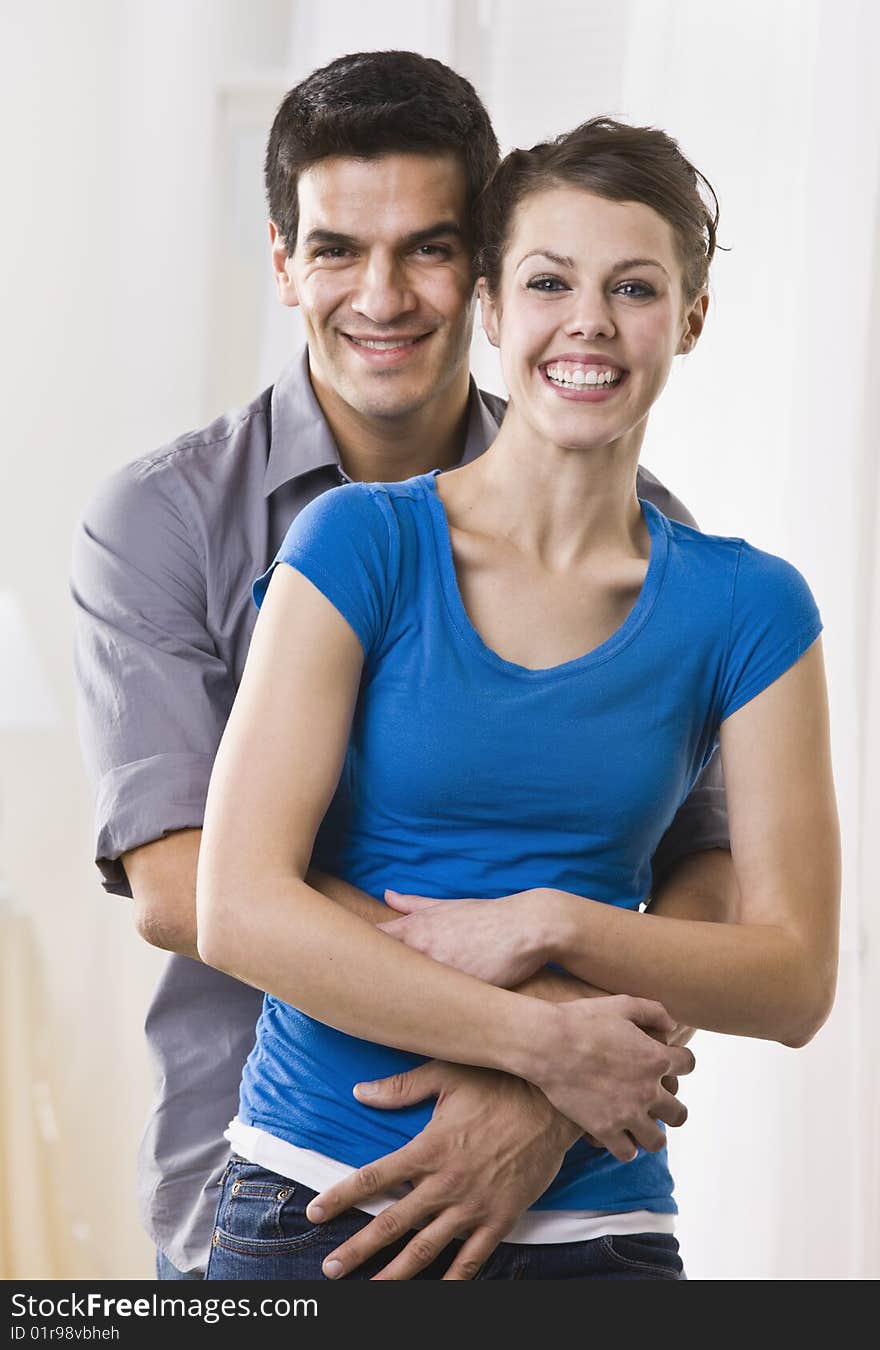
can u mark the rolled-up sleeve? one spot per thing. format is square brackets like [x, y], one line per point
[700, 823]
[153, 696]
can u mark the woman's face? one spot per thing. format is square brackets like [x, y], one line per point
[589, 315]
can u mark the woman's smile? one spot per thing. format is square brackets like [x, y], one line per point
[589, 315]
[586, 379]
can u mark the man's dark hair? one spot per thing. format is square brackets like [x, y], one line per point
[370, 104]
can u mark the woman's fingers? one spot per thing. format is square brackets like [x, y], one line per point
[409, 904]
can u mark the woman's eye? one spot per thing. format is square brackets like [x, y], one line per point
[546, 284]
[634, 290]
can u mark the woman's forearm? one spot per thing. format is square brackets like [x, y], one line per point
[744, 979]
[286, 938]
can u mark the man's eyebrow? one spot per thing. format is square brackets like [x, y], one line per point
[435, 231]
[333, 239]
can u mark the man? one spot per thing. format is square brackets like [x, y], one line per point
[373, 167]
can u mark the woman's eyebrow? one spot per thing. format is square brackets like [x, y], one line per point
[557, 258]
[639, 262]
[562, 261]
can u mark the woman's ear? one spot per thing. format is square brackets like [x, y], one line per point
[489, 311]
[695, 317]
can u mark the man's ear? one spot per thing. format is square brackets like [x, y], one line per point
[694, 319]
[280, 266]
[489, 311]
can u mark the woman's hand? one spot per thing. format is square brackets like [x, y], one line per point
[498, 941]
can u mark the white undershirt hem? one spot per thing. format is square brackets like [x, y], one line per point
[318, 1172]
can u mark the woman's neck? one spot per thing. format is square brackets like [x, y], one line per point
[558, 504]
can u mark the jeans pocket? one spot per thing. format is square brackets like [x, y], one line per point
[654, 1254]
[260, 1211]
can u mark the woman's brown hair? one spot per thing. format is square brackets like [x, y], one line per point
[612, 160]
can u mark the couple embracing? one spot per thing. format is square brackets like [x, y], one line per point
[440, 843]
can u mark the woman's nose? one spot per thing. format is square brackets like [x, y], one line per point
[383, 293]
[590, 316]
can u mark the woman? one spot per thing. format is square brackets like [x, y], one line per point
[516, 671]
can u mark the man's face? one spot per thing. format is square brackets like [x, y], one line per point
[382, 273]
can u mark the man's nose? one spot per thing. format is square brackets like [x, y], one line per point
[383, 293]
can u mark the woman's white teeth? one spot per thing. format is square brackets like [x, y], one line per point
[571, 376]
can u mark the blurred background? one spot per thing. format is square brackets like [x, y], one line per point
[137, 303]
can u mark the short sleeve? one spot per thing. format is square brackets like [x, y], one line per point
[342, 542]
[153, 696]
[774, 620]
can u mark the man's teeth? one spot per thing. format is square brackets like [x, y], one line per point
[569, 377]
[388, 345]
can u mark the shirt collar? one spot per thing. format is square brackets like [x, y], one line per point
[302, 440]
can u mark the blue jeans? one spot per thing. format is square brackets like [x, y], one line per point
[166, 1271]
[261, 1233]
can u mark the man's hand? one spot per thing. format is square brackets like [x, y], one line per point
[498, 941]
[492, 1146]
[606, 1069]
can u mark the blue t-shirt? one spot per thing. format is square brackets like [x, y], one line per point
[468, 775]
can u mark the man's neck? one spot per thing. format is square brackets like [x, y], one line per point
[389, 449]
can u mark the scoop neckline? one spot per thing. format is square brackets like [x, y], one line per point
[610, 647]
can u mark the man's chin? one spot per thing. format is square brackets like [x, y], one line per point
[389, 404]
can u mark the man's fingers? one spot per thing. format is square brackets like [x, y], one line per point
[390, 1226]
[670, 1109]
[649, 1015]
[381, 1177]
[402, 1089]
[422, 1248]
[670, 1083]
[648, 1135]
[620, 1145]
[473, 1255]
[681, 1060]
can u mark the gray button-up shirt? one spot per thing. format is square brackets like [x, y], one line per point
[163, 562]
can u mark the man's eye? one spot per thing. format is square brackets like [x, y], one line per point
[332, 252]
[635, 290]
[434, 251]
[546, 284]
